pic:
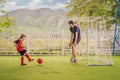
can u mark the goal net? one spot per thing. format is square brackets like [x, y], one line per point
[98, 49]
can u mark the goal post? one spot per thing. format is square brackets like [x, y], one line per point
[102, 54]
[95, 42]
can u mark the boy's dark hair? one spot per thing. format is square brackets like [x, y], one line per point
[71, 22]
[16, 41]
[22, 35]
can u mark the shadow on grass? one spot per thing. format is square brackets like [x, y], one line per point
[39, 65]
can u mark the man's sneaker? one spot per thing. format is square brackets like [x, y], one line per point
[31, 60]
[75, 61]
[71, 59]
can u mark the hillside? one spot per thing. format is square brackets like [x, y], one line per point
[43, 17]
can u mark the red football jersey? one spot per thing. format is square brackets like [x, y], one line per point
[19, 44]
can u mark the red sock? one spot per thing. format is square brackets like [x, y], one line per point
[27, 56]
[22, 60]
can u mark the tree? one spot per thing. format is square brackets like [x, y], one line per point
[5, 21]
[103, 8]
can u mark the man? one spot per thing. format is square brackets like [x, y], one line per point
[75, 39]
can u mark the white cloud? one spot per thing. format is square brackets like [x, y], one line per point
[59, 6]
[34, 4]
[31, 5]
[50, 0]
[10, 5]
[37, 1]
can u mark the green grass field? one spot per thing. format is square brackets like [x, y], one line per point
[56, 68]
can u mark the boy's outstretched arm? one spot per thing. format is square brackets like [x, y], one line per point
[15, 44]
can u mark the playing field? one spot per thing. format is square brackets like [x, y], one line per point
[56, 68]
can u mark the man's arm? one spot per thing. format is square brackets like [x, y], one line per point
[71, 39]
[76, 33]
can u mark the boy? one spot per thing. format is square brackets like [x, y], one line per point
[21, 50]
[75, 39]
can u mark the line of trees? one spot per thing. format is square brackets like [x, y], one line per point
[5, 21]
[103, 8]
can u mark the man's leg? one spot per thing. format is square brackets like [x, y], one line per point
[74, 53]
[72, 58]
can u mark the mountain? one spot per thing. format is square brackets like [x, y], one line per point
[43, 17]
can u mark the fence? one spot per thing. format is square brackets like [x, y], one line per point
[55, 42]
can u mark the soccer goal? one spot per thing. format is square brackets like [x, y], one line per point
[100, 45]
[94, 46]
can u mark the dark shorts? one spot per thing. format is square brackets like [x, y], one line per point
[77, 41]
[23, 52]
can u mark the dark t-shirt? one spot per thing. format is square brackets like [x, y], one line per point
[74, 30]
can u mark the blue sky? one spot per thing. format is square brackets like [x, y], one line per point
[34, 4]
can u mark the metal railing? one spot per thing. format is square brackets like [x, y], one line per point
[56, 42]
